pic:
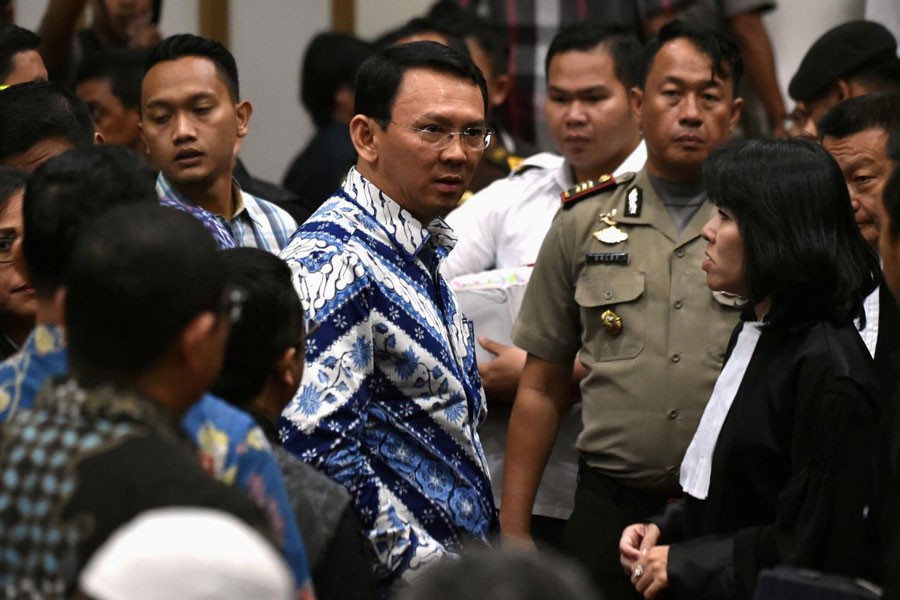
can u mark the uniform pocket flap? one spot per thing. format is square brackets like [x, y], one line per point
[599, 289]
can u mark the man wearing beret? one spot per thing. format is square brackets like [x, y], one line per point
[852, 59]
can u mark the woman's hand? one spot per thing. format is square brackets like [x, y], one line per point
[654, 579]
[635, 538]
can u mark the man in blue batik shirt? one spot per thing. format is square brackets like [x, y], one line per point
[391, 398]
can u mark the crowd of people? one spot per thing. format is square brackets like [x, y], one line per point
[214, 386]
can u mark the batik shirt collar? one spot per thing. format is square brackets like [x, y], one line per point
[404, 231]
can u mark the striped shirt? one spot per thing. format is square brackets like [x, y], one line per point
[256, 223]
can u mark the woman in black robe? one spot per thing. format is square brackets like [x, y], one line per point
[778, 472]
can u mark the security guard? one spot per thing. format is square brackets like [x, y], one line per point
[618, 282]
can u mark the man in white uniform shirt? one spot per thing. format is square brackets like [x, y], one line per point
[590, 70]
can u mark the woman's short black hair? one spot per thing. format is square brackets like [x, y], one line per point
[380, 76]
[802, 247]
[11, 181]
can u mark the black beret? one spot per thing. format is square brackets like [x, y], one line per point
[839, 52]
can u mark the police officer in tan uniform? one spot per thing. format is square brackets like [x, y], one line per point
[618, 280]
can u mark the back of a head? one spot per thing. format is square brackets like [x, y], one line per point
[67, 192]
[802, 248]
[185, 44]
[380, 76]
[123, 67]
[186, 553]
[491, 37]
[859, 49]
[880, 110]
[137, 277]
[271, 322]
[331, 61]
[721, 51]
[41, 110]
[14, 39]
[503, 575]
[622, 46]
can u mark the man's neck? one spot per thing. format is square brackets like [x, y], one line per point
[48, 312]
[606, 168]
[685, 174]
[217, 198]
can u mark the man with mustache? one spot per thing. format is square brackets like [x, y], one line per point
[618, 282]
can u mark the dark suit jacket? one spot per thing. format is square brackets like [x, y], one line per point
[887, 356]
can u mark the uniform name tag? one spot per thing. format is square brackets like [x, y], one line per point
[606, 258]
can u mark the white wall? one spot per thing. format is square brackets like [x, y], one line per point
[268, 38]
[374, 17]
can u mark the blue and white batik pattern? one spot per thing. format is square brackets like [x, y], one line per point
[391, 396]
[256, 223]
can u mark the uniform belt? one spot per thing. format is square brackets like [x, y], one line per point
[592, 480]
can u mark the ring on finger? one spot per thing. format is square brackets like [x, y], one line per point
[638, 571]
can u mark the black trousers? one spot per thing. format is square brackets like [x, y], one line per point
[603, 508]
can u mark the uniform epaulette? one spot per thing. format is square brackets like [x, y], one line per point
[586, 189]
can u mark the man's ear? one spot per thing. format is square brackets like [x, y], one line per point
[194, 342]
[364, 132]
[842, 89]
[288, 368]
[736, 106]
[637, 103]
[499, 90]
[243, 110]
[19, 264]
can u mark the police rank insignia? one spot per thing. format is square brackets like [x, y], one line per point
[586, 189]
[634, 202]
[611, 234]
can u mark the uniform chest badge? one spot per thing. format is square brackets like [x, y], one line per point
[611, 234]
[611, 322]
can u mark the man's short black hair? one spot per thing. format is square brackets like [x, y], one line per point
[331, 60]
[721, 51]
[13, 40]
[880, 110]
[69, 191]
[123, 67]
[622, 46]
[271, 322]
[802, 247]
[380, 76]
[41, 110]
[137, 277]
[186, 44]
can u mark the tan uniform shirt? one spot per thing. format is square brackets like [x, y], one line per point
[647, 386]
